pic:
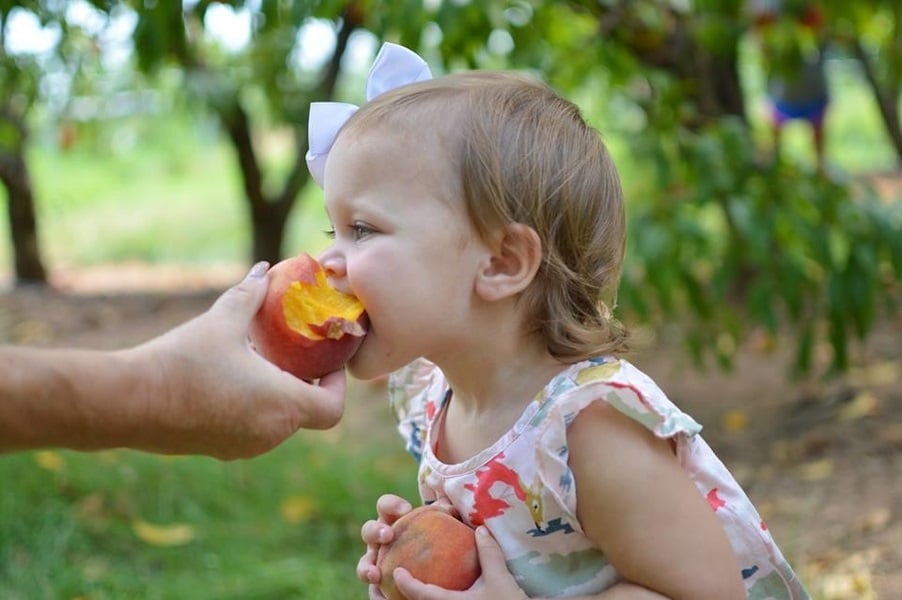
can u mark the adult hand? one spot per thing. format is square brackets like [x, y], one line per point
[210, 393]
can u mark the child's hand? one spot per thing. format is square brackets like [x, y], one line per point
[390, 508]
[495, 581]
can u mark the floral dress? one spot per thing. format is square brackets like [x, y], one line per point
[521, 488]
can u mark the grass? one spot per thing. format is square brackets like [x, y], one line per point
[124, 524]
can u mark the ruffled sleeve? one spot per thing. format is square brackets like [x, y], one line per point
[636, 395]
[414, 392]
[631, 392]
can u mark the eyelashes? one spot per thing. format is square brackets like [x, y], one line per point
[358, 229]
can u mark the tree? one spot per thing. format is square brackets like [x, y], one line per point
[870, 31]
[19, 77]
[227, 84]
[71, 56]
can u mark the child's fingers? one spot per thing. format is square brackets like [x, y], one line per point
[444, 505]
[391, 507]
[491, 558]
[495, 575]
[374, 533]
[414, 589]
[366, 567]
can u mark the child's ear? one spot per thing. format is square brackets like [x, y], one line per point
[514, 261]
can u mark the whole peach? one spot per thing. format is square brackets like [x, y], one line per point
[305, 326]
[434, 546]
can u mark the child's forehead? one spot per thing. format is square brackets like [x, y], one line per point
[389, 150]
[404, 140]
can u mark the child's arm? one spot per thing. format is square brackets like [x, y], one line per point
[638, 505]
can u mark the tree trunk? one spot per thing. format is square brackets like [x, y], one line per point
[886, 99]
[269, 212]
[22, 219]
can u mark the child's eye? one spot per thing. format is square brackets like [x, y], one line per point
[330, 233]
[361, 230]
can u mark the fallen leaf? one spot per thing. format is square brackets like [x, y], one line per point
[848, 586]
[50, 460]
[877, 374]
[862, 405]
[816, 470]
[176, 534]
[782, 452]
[297, 509]
[850, 579]
[735, 421]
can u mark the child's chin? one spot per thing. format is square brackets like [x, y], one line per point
[359, 368]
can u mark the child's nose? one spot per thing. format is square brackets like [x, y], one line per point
[334, 265]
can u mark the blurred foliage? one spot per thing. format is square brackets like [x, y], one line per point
[723, 240]
[735, 245]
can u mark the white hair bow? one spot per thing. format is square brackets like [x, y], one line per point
[394, 66]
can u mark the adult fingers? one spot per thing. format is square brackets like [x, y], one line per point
[242, 300]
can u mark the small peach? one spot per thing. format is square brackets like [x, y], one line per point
[305, 326]
[434, 546]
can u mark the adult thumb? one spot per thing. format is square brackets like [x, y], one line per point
[242, 300]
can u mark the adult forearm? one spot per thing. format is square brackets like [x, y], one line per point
[80, 399]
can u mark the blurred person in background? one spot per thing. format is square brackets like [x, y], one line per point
[790, 36]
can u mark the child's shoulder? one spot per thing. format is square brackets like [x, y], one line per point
[624, 387]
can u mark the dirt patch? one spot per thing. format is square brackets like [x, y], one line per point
[821, 460]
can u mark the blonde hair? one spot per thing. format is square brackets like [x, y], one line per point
[525, 155]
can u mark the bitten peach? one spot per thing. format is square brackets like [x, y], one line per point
[305, 326]
[434, 546]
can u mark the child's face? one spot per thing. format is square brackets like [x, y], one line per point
[404, 246]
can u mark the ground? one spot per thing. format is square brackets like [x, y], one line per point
[821, 460]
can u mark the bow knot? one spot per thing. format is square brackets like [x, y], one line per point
[394, 66]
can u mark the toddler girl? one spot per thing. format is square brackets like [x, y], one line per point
[480, 220]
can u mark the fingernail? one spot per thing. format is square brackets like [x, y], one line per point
[482, 531]
[258, 270]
